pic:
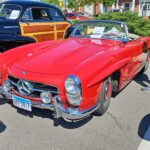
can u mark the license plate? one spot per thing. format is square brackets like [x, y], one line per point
[21, 103]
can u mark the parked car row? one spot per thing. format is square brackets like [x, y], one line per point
[74, 77]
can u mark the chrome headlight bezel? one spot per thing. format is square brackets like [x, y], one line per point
[73, 90]
[72, 84]
[6, 85]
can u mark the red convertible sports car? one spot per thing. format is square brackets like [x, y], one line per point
[74, 77]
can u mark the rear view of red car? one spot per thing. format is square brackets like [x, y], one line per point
[76, 16]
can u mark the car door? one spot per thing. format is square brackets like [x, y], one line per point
[36, 23]
[136, 46]
[60, 24]
[132, 52]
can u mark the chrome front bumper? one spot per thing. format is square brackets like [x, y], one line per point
[59, 111]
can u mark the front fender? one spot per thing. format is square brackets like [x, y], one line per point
[13, 37]
[99, 67]
[8, 41]
[107, 71]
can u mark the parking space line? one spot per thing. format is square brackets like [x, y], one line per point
[145, 144]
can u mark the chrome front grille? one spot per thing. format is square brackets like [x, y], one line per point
[36, 90]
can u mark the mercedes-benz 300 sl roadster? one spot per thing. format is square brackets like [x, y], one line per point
[74, 77]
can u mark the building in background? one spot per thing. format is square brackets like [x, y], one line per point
[142, 7]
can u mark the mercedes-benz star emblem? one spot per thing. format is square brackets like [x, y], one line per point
[24, 87]
[24, 73]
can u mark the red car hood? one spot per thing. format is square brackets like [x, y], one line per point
[62, 56]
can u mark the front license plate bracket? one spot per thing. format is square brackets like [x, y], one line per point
[22, 103]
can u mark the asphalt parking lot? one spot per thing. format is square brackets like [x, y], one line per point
[125, 126]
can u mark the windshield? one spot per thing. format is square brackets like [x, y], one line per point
[101, 29]
[10, 11]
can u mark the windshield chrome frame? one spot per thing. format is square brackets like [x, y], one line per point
[122, 25]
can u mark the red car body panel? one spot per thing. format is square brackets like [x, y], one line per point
[52, 62]
[76, 16]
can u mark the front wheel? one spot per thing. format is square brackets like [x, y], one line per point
[104, 97]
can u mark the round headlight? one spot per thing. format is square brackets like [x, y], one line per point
[46, 97]
[72, 84]
[7, 86]
[73, 90]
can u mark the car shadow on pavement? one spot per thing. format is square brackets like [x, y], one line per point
[142, 79]
[144, 128]
[2, 127]
[3, 101]
[72, 124]
[44, 113]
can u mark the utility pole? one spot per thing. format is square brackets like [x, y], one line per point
[117, 4]
[65, 5]
[133, 5]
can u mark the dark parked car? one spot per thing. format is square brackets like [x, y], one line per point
[23, 22]
[115, 10]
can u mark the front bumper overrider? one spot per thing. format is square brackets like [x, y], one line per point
[69, 113]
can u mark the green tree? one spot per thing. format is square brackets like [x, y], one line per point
[108, 2]
[55, 2]
[73, 4]
[137, 25]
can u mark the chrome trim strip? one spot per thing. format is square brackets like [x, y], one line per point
[32, 81]
[10, 27]
[41, 90]
[57, 107]
[75, 115]
[126, 81]
[36, 89]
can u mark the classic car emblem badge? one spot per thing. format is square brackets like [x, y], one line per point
[24, 73]
[24, 87]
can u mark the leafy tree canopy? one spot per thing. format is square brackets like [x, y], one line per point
[108, 2]
[55, 2]
[73, 4]
[137, 25]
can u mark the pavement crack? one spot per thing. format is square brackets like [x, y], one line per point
[120, 127]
